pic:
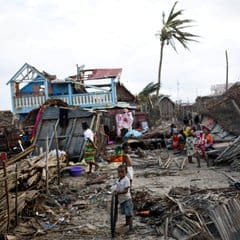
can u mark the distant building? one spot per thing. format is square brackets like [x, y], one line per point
[219, 89]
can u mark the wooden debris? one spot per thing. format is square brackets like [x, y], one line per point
[98, 180]
[16, 180]
[231, 155]
[188, 216]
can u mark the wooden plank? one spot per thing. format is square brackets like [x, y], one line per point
[53, 134]
[71, 133]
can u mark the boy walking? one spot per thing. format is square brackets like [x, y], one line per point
[124, 196]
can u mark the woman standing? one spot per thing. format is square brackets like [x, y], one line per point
[89, 147]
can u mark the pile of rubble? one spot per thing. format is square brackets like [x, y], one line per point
[21, 181]
[191, 213]
[231, 155]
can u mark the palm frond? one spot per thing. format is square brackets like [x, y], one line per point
[172, 43]
[185, 35]
[171, 12]
[174, 15]
[174, 30]
[179, 23]
[150, 88]
[182, 41]
[163, 18]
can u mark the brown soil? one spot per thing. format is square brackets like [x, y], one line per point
[75, 210]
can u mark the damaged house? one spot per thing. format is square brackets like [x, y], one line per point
[90, 88]
[41, 93]
[223, 111]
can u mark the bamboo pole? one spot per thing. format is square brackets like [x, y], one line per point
[226, 55]
[16, 195]
[47, 164]
[4, 158]
[236, 106]
[57, 155]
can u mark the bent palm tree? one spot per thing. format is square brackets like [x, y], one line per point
[173, 29]
[147, 90]
[145, 95]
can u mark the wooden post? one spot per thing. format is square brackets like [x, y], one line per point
[47, 164]
[226, 54]
[3, 158]
[16, 195]
[57, 155]
[236, 106]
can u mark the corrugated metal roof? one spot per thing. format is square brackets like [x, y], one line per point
[53, 113]
[102, 73]
[99, 73]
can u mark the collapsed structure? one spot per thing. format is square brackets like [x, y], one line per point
[53, 110]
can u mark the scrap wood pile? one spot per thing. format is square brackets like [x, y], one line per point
[225, 109]
[159, 131]
[69, 210]
[6, 118]
[231, 155]
[21, 182]
[192, 213]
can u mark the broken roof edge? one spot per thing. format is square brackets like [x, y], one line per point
[99, 73]
[227, 127]
[24, 66]
[119, 105]
[52, 112]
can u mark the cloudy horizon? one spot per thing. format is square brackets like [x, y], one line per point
[55, 35]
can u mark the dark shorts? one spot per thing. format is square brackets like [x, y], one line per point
[127, 208]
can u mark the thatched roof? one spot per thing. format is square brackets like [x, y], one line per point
[224, 111]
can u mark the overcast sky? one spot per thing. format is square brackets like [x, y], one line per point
[55, 35]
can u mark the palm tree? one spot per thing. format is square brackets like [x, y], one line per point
[148, 89]
[145, 95]
[173, 29]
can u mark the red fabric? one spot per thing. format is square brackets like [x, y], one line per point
[38, 119]
[175, 140]
[209, 139]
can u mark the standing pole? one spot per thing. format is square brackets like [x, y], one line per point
[3, 157]
[57, 155]
[226, 70]
[47, 164]
[16, 195]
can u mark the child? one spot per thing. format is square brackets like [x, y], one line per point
[124, 195]
[200, 148]
[208, 138]
[188, 133]
[128, 161]
[175, 140]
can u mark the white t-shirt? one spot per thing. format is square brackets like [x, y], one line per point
[130, 172]
[121, 185]
[88, 134]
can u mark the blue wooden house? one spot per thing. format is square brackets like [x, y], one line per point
[91, 88]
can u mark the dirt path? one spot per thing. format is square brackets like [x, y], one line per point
[79, 211]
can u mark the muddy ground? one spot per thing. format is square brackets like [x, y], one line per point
[80, 208]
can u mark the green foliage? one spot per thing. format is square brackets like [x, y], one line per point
[149, 89]
[173, 30]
